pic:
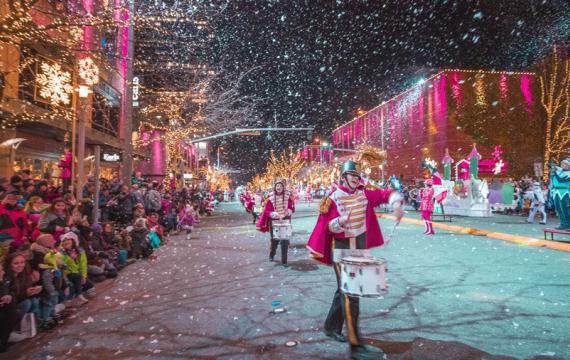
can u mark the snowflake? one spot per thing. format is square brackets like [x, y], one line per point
[88, 71]
[55, 84]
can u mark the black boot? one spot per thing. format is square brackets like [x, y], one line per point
[284, 252]
[273, 249]
[365, 352]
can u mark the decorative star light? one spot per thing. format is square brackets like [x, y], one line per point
[55, 84]
[88, 71]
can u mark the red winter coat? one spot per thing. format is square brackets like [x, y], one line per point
[14, 222]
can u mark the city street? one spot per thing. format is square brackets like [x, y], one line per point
[451, 295]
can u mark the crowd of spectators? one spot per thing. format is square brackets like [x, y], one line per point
[53, 248]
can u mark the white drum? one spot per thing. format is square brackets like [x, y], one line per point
[282, 230]
[363, 276]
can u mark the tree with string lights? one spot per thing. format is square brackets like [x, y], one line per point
[555, 100]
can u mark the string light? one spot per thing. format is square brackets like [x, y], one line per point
[413, 88]
[555, 100]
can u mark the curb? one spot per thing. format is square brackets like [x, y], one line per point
[517, 239]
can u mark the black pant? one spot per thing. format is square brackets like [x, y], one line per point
[275, 242]
[344, 307]
[9, 320]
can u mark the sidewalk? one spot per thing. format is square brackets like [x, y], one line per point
[512, 228]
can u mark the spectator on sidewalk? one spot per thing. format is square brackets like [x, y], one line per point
[24, 283]
[55, 220]
[75, 261]
[13, 220]
[9, 315]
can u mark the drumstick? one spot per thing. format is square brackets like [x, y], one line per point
[391, 235]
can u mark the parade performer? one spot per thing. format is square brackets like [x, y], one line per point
[537, 204]
[278, 206]
[560, 192]
[426, 206]
[308, 196]
[347, 221]
[65, 163]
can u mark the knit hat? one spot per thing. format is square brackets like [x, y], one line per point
[43, 239]
[70, 235]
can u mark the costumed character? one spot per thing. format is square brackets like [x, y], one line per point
[560, 192]
[447, 161]
[278, 206]
[347, 222]
[308, 194]
[426, 206]
[474, 158]
[65, 163]
[537, 204]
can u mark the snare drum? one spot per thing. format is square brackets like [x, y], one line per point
[282, 230]
[363, 276]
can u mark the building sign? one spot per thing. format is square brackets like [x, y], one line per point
[136, 87]
[111, 157]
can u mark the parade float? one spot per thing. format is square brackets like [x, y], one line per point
[468, 194]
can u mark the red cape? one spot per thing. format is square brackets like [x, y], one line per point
[320, 242]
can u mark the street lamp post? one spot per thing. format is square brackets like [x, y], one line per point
[218, 162]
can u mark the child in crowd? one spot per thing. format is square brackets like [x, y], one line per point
[48, 262]
[75, 261]
[172, 221]
[153, 224]
[187, 220]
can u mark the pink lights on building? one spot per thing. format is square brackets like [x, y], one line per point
[526, 91]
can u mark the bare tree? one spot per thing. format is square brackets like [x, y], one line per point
[555, 100]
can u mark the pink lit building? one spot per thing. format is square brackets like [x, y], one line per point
[454, 109]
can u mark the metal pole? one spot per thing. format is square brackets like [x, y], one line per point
[81, 148]
[97, 184]
[218, 166]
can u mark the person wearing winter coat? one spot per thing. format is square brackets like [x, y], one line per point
[187, 220]
[139, 237]
[24, 283]
[13, 221]
[55, 220]
[126, 203]
[75, 261]
[9, 315]
[48, 262]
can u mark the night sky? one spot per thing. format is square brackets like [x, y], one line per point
[316, 62]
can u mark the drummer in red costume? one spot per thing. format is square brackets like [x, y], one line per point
[278, 206]
[347, 221]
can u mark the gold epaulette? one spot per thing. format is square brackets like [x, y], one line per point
[325, 205]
